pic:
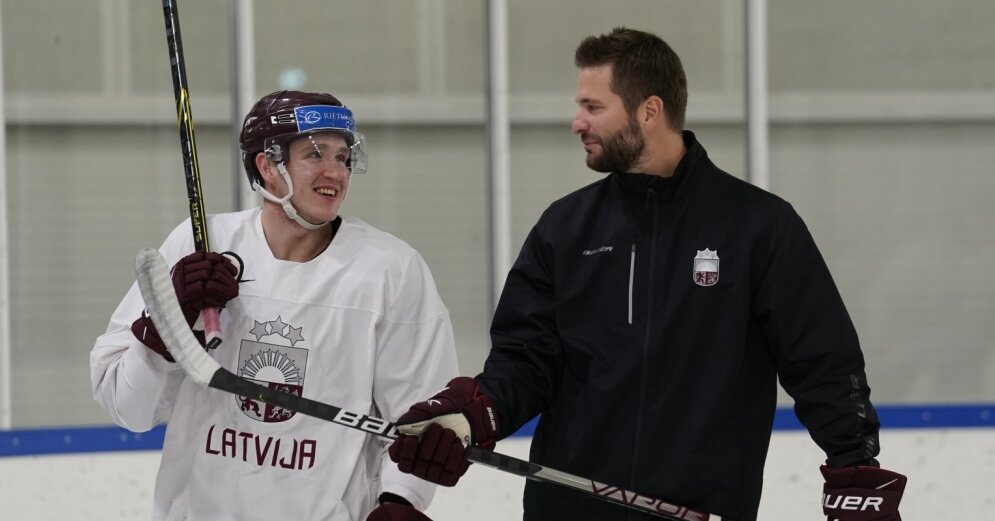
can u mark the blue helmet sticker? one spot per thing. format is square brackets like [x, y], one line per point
[324, 117]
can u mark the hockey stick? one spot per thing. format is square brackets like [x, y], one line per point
[188, 143]
[160, 300]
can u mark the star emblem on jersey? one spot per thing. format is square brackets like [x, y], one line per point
[275, 366]
[277, 327]
[706, 267]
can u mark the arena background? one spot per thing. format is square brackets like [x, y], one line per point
[877, 124]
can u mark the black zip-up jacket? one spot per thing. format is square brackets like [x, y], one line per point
[654, 364]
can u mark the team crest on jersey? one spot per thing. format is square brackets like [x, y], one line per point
[277, 366]
[706, 267]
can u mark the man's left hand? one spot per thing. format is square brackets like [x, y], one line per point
[861, 493]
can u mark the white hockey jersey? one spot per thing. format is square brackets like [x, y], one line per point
[361, 326]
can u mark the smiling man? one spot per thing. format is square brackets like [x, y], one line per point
[648, 319]
[317, 304]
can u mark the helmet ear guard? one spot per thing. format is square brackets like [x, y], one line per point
[275, 152]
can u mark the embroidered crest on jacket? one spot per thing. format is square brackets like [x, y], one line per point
[706, 267]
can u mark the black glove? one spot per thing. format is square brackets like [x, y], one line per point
[434, 433]
[861, 493]
[201, 280]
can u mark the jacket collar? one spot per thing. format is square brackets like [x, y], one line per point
[666, 188]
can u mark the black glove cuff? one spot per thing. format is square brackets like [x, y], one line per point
[388, 497]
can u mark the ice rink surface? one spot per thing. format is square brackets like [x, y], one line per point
[951, 472]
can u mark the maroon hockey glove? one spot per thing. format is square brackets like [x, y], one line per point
[434, 433]
[861, 493]
[437, 455]
[396, 512]
[201, 280]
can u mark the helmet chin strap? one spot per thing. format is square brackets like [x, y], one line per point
[285, 201]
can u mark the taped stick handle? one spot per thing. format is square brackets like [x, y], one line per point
[212, 327]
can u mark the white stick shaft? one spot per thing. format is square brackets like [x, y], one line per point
[160, 300]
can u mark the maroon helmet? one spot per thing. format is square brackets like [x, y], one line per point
[282, 116]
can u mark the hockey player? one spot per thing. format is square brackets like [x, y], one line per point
[324, 306]
[648, 319]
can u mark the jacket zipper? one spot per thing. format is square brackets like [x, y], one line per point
[651, 214]
[632, 276]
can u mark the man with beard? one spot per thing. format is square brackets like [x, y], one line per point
[648, 319]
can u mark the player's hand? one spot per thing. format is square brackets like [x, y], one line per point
[861, 493]
[434, 433]
[201, 280]
[204, 280]
[396, 512]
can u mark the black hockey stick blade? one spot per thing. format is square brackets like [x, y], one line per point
[160, 300]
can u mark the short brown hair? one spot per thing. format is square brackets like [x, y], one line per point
[643, 65]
